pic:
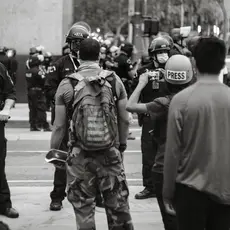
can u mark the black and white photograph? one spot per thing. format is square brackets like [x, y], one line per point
[115, 114]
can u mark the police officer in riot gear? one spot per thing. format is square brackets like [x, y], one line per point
[7, 100]
[35, 77]
[64, 66]
[159, 54]
[7, 58]
[48, 58]
[11, 54]
[4, 58]
[124, 68]
[33, 50]
[67, 64]
[123, 65]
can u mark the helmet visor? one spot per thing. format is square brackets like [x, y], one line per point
[75, 45]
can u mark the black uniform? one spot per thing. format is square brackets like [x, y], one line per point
[7, 91]
[13, 69]
[148, 145]
[122, 65]
[59, 70]
[46, 67]
[35, 77]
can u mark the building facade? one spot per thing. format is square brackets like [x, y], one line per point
[26, 23]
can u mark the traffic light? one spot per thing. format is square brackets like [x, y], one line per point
[151, 27]
[154, 27]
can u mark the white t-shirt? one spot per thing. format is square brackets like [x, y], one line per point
[222, 73]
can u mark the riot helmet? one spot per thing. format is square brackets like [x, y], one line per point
[159, 50]
[169, 39]
[127, 48]
[39, 49]
[75, 36]
[3, 50]
[35, 60]
[32, 51]
[114, 51]
[48, 57]
[10, 53]
[86, 25]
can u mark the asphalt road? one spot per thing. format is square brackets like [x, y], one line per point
[30, 179]
[26, 166]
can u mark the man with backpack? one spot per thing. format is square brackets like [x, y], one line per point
[99, 127]
[63, 67]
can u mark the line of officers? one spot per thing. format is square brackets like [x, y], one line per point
[43, 77]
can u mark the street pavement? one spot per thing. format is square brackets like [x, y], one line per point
[30, 179]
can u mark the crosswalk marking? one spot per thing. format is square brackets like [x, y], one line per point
[45, 151]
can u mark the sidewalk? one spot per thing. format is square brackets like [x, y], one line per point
[33, 206]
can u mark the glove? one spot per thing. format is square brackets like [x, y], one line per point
[122, 147]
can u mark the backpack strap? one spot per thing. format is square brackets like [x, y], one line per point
[73, 82]
[113, 85]
[178, 48]
[111, 78]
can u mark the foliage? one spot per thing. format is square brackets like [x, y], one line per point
[108, 15]
[112, 15]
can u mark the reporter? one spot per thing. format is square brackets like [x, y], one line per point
[177, 77]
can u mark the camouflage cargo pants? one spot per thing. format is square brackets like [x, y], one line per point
[104, 171]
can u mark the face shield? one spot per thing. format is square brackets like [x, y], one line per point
[75, 46]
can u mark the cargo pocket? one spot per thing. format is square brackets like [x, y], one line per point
[79, 195]
[112, 157]
[117, 196]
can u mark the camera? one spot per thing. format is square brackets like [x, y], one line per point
[154, 77]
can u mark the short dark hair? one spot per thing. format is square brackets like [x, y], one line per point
[89, 50]
[173, 89]
[4, 226]
[210, 55]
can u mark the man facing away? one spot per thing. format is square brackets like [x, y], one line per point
[197, 157]
[89, 170]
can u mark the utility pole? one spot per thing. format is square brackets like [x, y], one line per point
[131, 10]
[137, 30]
[182, 13]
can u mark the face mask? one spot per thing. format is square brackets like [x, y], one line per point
[162, 58]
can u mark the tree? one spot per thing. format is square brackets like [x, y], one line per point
[108, 15]
[225, 21]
